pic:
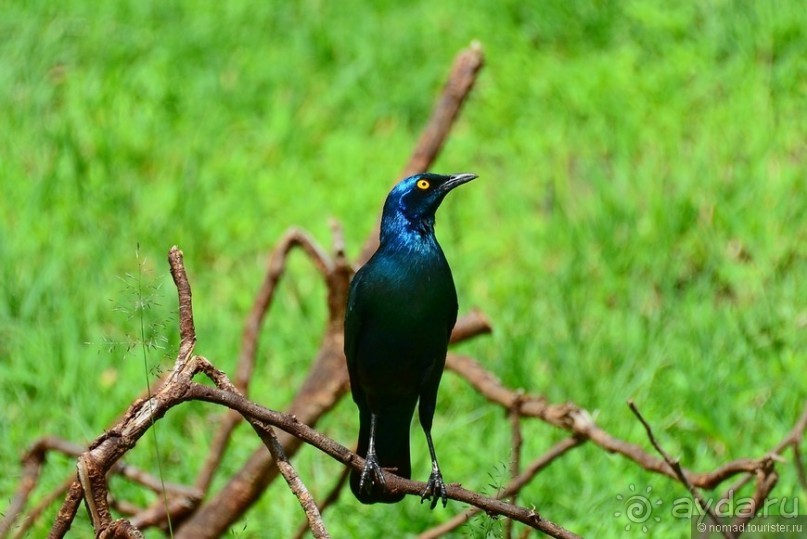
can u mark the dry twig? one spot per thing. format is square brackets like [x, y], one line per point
[515, 485]
[675, 465]
[515, 462]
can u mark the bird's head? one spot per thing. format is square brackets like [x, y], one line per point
[414, 201]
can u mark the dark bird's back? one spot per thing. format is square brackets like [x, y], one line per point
[401, 310]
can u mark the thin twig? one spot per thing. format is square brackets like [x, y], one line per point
[394, 483]
[125, 508]
[578, 421]
[517, 440]
[675, 465]
[794, 439]
[35, 513]
[515, 485]
[94, 464]
[766, 480]
[799, 463]
[795, 435]
[276, 267]
[791, 439]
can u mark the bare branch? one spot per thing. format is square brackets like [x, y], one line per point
[799, 463]
[517, 440]
[35, 513]
[394, 483]
[796, 434]
[32, 462]
[458, 87]
[276, 267]
[120, 529]
[470, 325]
[794, 439]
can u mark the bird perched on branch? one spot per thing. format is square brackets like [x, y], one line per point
[401, 310]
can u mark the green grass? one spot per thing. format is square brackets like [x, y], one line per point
[638, 230]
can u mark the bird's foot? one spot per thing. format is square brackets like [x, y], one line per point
[435, 490]
[371, 475]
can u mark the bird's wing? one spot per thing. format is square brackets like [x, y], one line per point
[452, 321]
[352, 329]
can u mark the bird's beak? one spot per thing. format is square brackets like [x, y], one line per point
[457, 179]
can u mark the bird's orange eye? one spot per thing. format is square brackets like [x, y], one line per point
[423, 184]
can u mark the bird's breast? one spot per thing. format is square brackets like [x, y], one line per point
[417, 288]
[408, 310]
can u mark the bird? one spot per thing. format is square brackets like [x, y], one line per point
[402, 307]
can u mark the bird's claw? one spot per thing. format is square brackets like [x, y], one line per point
[370, 475]
[435, 490]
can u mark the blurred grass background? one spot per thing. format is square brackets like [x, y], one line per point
[638, 230]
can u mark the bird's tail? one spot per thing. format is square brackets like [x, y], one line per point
[391, 446]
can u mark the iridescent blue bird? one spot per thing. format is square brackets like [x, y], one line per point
[401, 310]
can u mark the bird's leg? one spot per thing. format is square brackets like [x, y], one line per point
[372, 471]
[435, 488]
